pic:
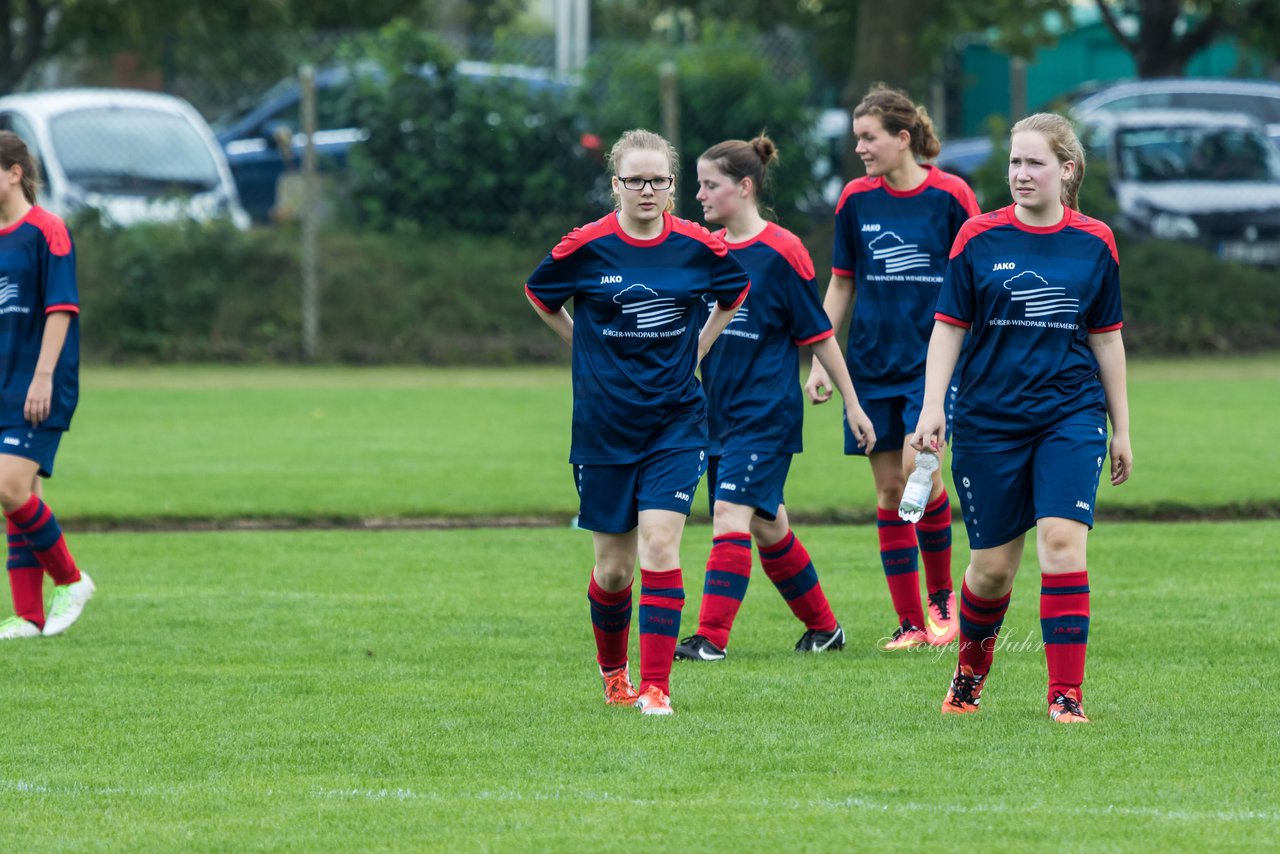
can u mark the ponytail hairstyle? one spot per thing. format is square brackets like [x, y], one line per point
[897, 112]
[1064, 144]
[645, 140]
[741, 159]
[14, 152]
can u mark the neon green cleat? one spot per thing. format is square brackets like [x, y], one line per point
[15, 628]
[67, 603]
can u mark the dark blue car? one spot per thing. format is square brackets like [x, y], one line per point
[266, 140]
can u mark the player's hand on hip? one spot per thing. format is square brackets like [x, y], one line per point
[818, 386]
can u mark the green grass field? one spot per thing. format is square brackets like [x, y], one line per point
[217, 443]
[435, 691]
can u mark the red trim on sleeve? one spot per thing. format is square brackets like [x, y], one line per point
[800, 342]
[53, 228]
[836, 271]
[977, 225]
[1112, 328]
[68, 307]
[857, 185]
[953, 321]
[737, 302]
[580, 237]
[542, 306]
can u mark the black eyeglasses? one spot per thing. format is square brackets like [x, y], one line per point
[636, 184]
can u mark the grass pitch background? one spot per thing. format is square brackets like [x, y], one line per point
[434, 690]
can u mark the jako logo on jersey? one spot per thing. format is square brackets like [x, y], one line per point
[871, 226]
[1082, 505]
[729, 487]
[683, 496]
[649, 309]
[897, 254]
[1004, 265]
[610, 280]
[1038, 297]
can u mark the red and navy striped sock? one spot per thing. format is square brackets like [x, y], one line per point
[1064, 626]
[611, 622]
[36, 522]
[980, 621]
[934, 532]
[899, 556]
[26, 578]
[789, 567]
[728, 572]
[661, 598]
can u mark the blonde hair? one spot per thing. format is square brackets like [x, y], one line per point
[897, 112]
[1064, 144]
[643, 140]
[14, 152]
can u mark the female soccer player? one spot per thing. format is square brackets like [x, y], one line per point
[1036, 287]
[756, 409]
[637, 278]
[39, 340]
[893, 230]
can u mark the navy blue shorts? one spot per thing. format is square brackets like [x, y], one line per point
[894, 419]
[610, 498]
[1003, 493]
[33, 443]
[749, 478]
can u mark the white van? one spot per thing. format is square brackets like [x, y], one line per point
[135, 156]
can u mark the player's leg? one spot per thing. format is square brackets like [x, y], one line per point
[664, 497]
[20, 463]
[787, 563]
[1068, 464]
[725, 584]
[607, 509]
[998, 511]
[933, 532]
[26, 584]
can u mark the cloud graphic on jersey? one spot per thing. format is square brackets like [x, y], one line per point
[648, 313]
[897, 254]
[1038, 297]
[8, 290]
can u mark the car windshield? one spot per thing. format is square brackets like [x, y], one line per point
[133, 150]
[1162, 154]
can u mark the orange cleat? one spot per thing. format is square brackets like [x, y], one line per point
[941, 625]
[618, 690]
[906, 637]
[965, 692]
[654, 702]
[1065, 708]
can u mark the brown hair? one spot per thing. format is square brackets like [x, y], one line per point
[644, 140]
[14, 152]
[897, 112]
[740, 159]
[1064, 144]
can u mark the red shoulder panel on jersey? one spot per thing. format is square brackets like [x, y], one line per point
[1101, 329]
[801, 342]
[975, 226]
[1098, 229]
[699, 233]
[579, 237]
[956, 186]
[542, 306]
[53, 228]
[789, 246]
[946, 318]
[857, 185]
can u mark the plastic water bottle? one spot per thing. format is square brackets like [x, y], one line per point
[916, 496]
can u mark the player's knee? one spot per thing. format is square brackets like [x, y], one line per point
[1062, 547]
[14, 492]
[992, 575]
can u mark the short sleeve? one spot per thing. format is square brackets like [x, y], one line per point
[729, 281]
[844, 260]
[554, 282]
[809, 321]
[1105, 314]
[60, 291]
[956, 298]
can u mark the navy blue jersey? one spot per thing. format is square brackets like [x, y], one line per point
[37, 278]
[894, 246]
[636, 311]
[1029, 297]
[751, 375]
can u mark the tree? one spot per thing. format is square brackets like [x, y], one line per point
[23, 27]
[1170, 32]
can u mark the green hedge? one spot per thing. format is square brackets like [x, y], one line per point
[211, 293]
